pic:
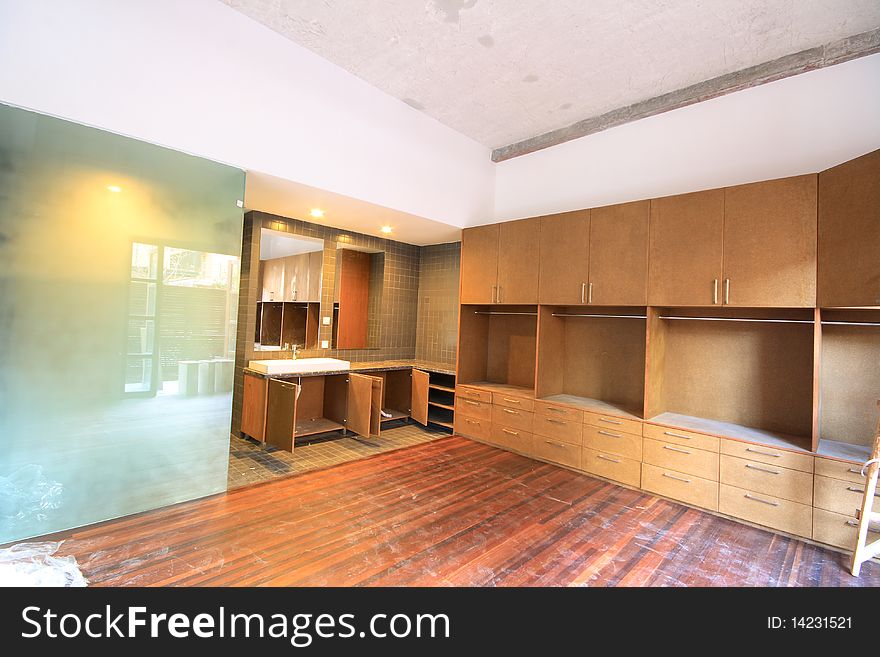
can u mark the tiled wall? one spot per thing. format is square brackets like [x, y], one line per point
[404, 313]
[437, 328]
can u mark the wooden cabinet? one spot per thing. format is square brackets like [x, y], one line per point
[253, 410]
[272, 279]
[354, 298]
[421, 382]
[479, 264]
[518, 262]
[685, 249]
[770, 244]
[316, 263]
[564, 256]
[296, 277]
[364, 404]
[281, 414]
[618, 260]
[849, 233]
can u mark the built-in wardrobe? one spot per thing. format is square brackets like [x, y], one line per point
[719, 348]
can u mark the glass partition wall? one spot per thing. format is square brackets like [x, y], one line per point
[119, 274]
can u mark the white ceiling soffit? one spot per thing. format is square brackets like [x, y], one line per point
[503, 71]
[294, 200]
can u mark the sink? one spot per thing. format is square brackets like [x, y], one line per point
[289, 366]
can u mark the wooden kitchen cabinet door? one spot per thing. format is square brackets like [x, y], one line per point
[296, 277]
[281, 414]
[619, 254]
[849, 233]
[419, 401]
[518, 261]
[364, 404]
[685, 249]
[770, 243]
[564, 258]
[253, 410]
[273, 279]
[316, 263]
[479, 264]
[354, 299]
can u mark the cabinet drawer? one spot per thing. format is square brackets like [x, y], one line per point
[844, 497]
[840, 470]
[766, 510]
[560, 412]
[472, 408]
[677, 457]
[472, 427]
[556, 451]
[511, 401]
[611, 466]
[515, 439]
[476, 394]
[614, 442]
[512, 417]
[769, 479]
[768, 455]
[613, 423]
[680, 486]
[681, 437]
[568, 431]
[837, 529]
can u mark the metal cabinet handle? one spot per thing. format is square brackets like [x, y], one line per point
[854, 523]
[861, 491]
[470, 421]
[609, 433]
[560, 445]
[760, 469]
[856, 471]
[714, 290]
[471, 402]
[607, 458]
[605, 419]
[676, 449]
[494, 294]
[758, 451]
[510, 410]
[726, 290]
[758, 499]
[583, 292]
[666, 474]
[550, 419]
[512, 401]
[590, 293]
[512, 433]
[555, 410]
[500, 294]
[676, 435]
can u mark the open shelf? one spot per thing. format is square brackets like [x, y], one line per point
[441, 416]
[497, 344]
[395, 415]
[310, 427]
[735, 431]
[835, 449]
[435, 386]
[449, 407]
[596, 406]
[504, 388]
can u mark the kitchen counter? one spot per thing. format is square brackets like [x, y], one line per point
[366, 367]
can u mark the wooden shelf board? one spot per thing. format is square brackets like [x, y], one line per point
[836, 449]
[435, 386]
[594, 406]
[504, 388]
[395, 415]
[442, 423]
[439, 405]
[316, 425]
[735, 431]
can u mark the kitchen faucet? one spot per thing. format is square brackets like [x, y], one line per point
[292, 348]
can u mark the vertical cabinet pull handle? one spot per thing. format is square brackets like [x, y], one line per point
[714, 290]
[494, 294]
[500, 294]
[583, 292]
[590, 293]
[726, 291]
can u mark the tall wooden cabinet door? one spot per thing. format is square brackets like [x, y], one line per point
[281, 414]
[293, 277]
[420, 382]
[253, 408]
[684, 253]
[273, 279]
[364, 404]
[354, 299]
[518, 261]
[770, 243]
[564, 258]
[479, 264]
[316, 261]
[849, 233]
[619, 254]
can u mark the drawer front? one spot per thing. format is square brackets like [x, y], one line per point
[680, 486]
[769, 479]
[613, 442]
[613, 423]
[472, 427]
[838, 530]
[556, 451]
[510, 401]
[472, 408]
[512, 417]
[681, 437]
[844, 497]
[548, 409]
[611, 466]
[515, 439]
[476, 394]
[766, 510]
[568, 431]
[840, 470]
[768, 455]
[680, 458]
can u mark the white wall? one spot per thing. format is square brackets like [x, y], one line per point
[798, 125]
[200, 77]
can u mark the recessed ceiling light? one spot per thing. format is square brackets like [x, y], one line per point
[114, 188]
[317, 213]
[386, 229]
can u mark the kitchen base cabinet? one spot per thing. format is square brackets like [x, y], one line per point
[767, 510]
[838, 529]
[687, 488]
[611, 466]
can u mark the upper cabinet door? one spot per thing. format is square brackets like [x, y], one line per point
[296, 277]
[619, 255]
[770, 243]
[849, 233]
[518, 261]
[564, 258]
[479, 264]
[684, 256]
[316, 261]
[273, 279]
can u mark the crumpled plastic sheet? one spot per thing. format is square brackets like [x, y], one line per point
[33, 564]
[27, 494]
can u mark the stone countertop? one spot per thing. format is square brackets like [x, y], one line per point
[366, 367]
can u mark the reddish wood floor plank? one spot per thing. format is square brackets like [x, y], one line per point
[448, 513]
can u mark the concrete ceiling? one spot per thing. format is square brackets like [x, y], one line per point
[502, 71]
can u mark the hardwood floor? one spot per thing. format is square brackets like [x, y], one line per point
[449, 512]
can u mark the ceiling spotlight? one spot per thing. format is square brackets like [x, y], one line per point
[386, 229]
[114, 188]
[317, 213]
